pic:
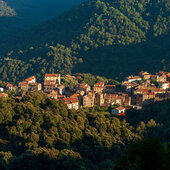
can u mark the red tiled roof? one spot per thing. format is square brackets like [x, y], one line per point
[120, 108]
[153, 75]
[60, 96]
[121, 114]
[75, 95]
[53, 93]
[9, 85]
[142, 90]
[30, 78]
[3, 95]
[23, 83]
[52, 75]
[109, 86]
[168, 75]
[119, 97]
[101, 84]
[70, 100]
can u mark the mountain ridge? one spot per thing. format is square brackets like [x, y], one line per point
[64, 43]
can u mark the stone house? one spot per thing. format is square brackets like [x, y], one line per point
[119, 111]
[89, 99]
[11, 87]
[145, 75]
[99, 99]
[83, 89]
[72, 103]
[49, 86]
[24, 86]
[98, 87]
[110, 99]
[161, 76]
[35, 86]
[55, 78]
[79, 97]
[129, 87]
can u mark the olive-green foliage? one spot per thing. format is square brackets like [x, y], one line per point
[112, 40]
[37, 132]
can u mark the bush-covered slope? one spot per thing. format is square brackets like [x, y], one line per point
[37, 132]
[99, 36]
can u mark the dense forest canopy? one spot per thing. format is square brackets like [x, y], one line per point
[116, 38]
[37, 132]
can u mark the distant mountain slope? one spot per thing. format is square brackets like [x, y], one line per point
[40, 10]
[6, 10]
[102, 37]
[29, 14]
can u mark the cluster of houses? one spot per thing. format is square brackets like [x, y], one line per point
[134, 92]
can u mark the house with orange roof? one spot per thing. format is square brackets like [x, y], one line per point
[110, 99]
[161, 76]
[55, 78]
[23, 85]
[3, 95]
[72, 103]
[35, 86]
[79, 97]
[129, 87]
[53, 95]
[49, 86]
[168, 77]
[145, 75]
[140, 91]
[83, 89]
[89, 99]
[31, 80]
[119, 111]
[119, 100]
[11, 87]
[98, 87]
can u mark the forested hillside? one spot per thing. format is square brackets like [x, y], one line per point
[39, 133]
[29, 13]
[116, 38]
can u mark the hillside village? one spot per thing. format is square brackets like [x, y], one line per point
[133, 92]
